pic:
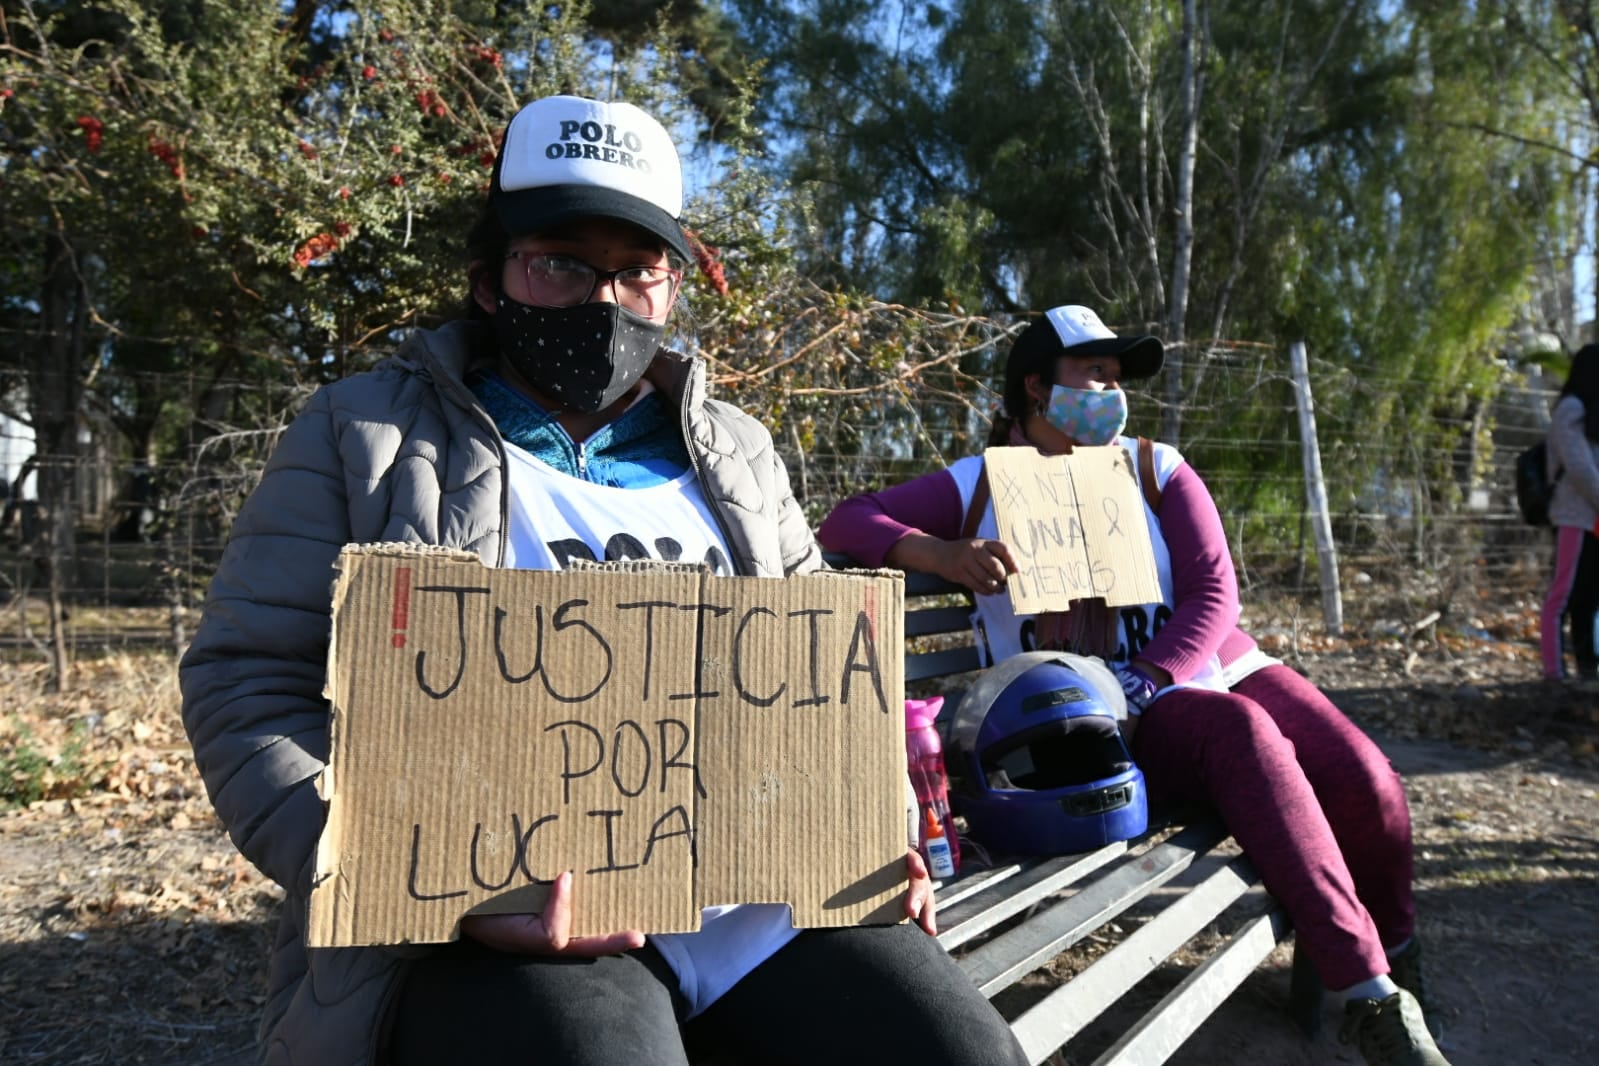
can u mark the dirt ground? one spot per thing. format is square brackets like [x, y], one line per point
[1504, 791]
[130, 931]
[1507, 853]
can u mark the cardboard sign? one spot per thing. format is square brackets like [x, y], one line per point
[677, 740]
[1075, 524]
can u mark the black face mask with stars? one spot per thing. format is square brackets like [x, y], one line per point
[585, 357]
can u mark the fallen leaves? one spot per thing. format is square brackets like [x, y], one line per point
[127, 901]
[128, 895]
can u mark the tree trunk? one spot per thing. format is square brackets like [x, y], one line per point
[1593, 201]
[1183, 246]
[173, 577]
[54, 384]
[1332, 605]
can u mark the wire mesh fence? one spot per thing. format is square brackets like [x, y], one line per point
[149, 535]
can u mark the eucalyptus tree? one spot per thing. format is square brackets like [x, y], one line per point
[1559, 43]
[1416, 245]
[1009, 154]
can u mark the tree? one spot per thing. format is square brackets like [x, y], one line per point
[212, 206]
[1036, 154]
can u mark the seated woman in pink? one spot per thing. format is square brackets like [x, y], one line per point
[1312, 801]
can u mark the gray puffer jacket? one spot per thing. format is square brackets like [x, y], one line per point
[401, 453]
[1574, 460]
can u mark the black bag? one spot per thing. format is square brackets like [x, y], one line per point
[1533, 486]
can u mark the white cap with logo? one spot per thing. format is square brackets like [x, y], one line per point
[568, 157]
[1078, 331]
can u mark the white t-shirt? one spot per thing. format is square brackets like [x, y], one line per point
[555, 518]
[1001, 632]
[1248, 663]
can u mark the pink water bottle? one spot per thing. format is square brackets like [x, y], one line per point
[924, 756]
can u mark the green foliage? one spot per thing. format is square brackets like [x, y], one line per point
[1420, 234]
[30, 772]
[1355, 188]
[260, 198]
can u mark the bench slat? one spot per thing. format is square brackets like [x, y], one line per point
[1068, 1009]
[1002, 961]
[936, 621]
[1184, 1009]
[965, 886]
[918, 583]
[980, 913]
[927, 664]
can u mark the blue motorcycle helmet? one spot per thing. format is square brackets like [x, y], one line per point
[1037, 761]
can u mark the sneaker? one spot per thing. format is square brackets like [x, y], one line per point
[1390, 1032]
[1405, 969]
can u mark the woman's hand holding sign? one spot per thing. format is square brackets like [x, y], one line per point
[919, 905]
[548, 933]
[978, 563]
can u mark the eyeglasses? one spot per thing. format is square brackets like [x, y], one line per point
[561, 281]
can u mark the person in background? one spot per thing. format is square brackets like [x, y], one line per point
[1312, 801]
[1573, 445]
[548, 424]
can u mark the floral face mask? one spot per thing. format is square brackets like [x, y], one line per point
[1087, 416]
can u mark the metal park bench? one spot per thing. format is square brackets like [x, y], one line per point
[1167, 891]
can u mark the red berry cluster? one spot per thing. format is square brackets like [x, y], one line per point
[430, 103]
[315, 248]
[709, 262]
[484, 150]
[491, 57]
[308, 149]
[168, 155]
[93, 131]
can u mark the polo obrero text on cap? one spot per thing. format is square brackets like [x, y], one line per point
[590, 140]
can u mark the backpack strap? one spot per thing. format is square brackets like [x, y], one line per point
[1146, 474]
[974, 510]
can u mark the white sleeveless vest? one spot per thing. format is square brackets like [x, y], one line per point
[1001, 632]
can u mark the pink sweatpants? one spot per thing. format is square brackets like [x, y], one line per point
[1573, 594]
[1314, 804]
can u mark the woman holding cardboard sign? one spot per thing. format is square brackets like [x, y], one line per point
[1311, 799]
[548, 425]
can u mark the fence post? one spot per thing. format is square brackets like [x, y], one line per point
[1332, 606]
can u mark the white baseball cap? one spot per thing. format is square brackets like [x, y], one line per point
[1073, 329]
[568, 157]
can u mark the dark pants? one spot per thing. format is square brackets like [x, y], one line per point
[831, 996]
[1582, 606]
